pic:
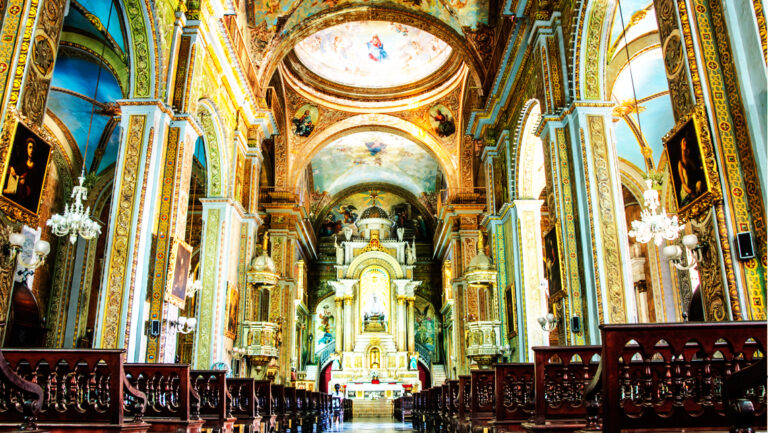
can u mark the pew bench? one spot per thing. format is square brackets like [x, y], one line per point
[215, 400]
[514, 396]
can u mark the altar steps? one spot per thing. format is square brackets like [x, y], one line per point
[372, 408]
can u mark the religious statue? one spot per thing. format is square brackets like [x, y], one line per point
[339, 251]
[400, 233]
[410, 253]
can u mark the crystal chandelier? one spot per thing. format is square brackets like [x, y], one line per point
[75, 221]
[654, 224]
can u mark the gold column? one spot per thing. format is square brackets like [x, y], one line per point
[348, 323]
[411, 325]
[339, 324]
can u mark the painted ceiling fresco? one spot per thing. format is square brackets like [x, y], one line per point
[373, 54]
[348, 210]
[374, 157]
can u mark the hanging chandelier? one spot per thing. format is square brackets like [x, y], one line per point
[654, 224]
[75, 220]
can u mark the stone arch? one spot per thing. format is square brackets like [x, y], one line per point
[594, 25]
[376, 122]
[214, 150]
[528, 145]
[379, 258]
[336, 15]
[144, 58]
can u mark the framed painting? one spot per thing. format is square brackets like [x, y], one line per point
[26, 150]
[691, 163]
[178, 272]
[233, 307]
[552, 262]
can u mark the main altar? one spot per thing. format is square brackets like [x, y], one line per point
[374, 353]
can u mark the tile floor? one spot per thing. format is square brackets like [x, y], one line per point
[379, 425]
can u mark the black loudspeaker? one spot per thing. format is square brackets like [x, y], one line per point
[575, 324]
[745, 245]
[154, 329]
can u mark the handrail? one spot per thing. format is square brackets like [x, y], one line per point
[30, 394]
[425, 354]
[325, 353]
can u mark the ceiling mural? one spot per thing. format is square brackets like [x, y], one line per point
[374, 156]
[346, 212]
[374, 54]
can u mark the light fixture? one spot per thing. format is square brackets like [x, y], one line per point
[75, 220]
[238, 352]
[548, 323]
[183, 325]
[674, 253]
[654, 224]
[15, 247]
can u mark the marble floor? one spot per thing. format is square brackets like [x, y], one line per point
[378, 425]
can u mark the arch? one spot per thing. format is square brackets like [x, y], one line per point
[144, 59]
[530, 150]
[378, 258]
[345, 13]
[343, 194]
[595, 25]
[376, 122]
[214, 149]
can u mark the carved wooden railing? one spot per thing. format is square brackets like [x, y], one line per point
[673, 375]
[87, 387]
[514, 394]
[167, 388]
[465, 398]
[562, 375]
[245, 405]
[211, 386]
[20, 395]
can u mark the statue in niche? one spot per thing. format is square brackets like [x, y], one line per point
[410, 253]
[339, 251]
[400, 233]
[374, 319]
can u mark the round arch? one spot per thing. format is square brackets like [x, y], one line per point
[214, 153]
[595, 14]
[530, 152]
[376, 122]
[374, 258]
[144, 61]
[344, 13]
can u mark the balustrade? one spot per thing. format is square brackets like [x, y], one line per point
[215, 410]
[244, 404]
[515, 399]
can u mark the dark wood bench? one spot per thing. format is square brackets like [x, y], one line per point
[402, 407]
[281, 407]
[662, 377]
[83, 391]
[562, 375]
[215, 410]
[483, 400]
[244, 405]
[172, 405]
[465, 404]
[514, 396]
[263, 392]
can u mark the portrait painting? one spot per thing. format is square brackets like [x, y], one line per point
[552, 262]
[304, 120]
[686, 163]
[442, 120]
[233, 307]
[178, 272]
[25, 169]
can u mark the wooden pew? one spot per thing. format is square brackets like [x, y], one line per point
[453, 405]
[169, 397]
[416, 414]
[83, 391]
[281, 409]
[244, 405]
[662, 377]
[562, 376]
[403, 408]
[514, 396]
[263, 392]
[482, 400]
[464, 404]
[29, 396]
[215, 410]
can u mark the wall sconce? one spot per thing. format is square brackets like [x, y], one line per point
[16, 245]
[548, 323]
[238, 352]
[183, 325]
[674, 253]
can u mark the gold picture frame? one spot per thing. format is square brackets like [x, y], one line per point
[695, 183]
[20, 199]
[178, 272]
[233, 310]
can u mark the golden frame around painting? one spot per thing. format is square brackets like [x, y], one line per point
[693, 172]
[233, 310]
[15, 129]
[178, 272]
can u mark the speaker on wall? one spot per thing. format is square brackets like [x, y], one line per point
[745, 245]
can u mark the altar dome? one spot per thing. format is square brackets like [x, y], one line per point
[374, 212]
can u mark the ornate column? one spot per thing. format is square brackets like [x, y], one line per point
[691, 38]
[411, 325]
[401, 287]
[348, 342]
[340, 318]
[533, 299]
[121, 317]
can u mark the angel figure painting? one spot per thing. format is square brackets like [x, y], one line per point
[325, 328]
[376, 50]
[304, 120]
[441, 120]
